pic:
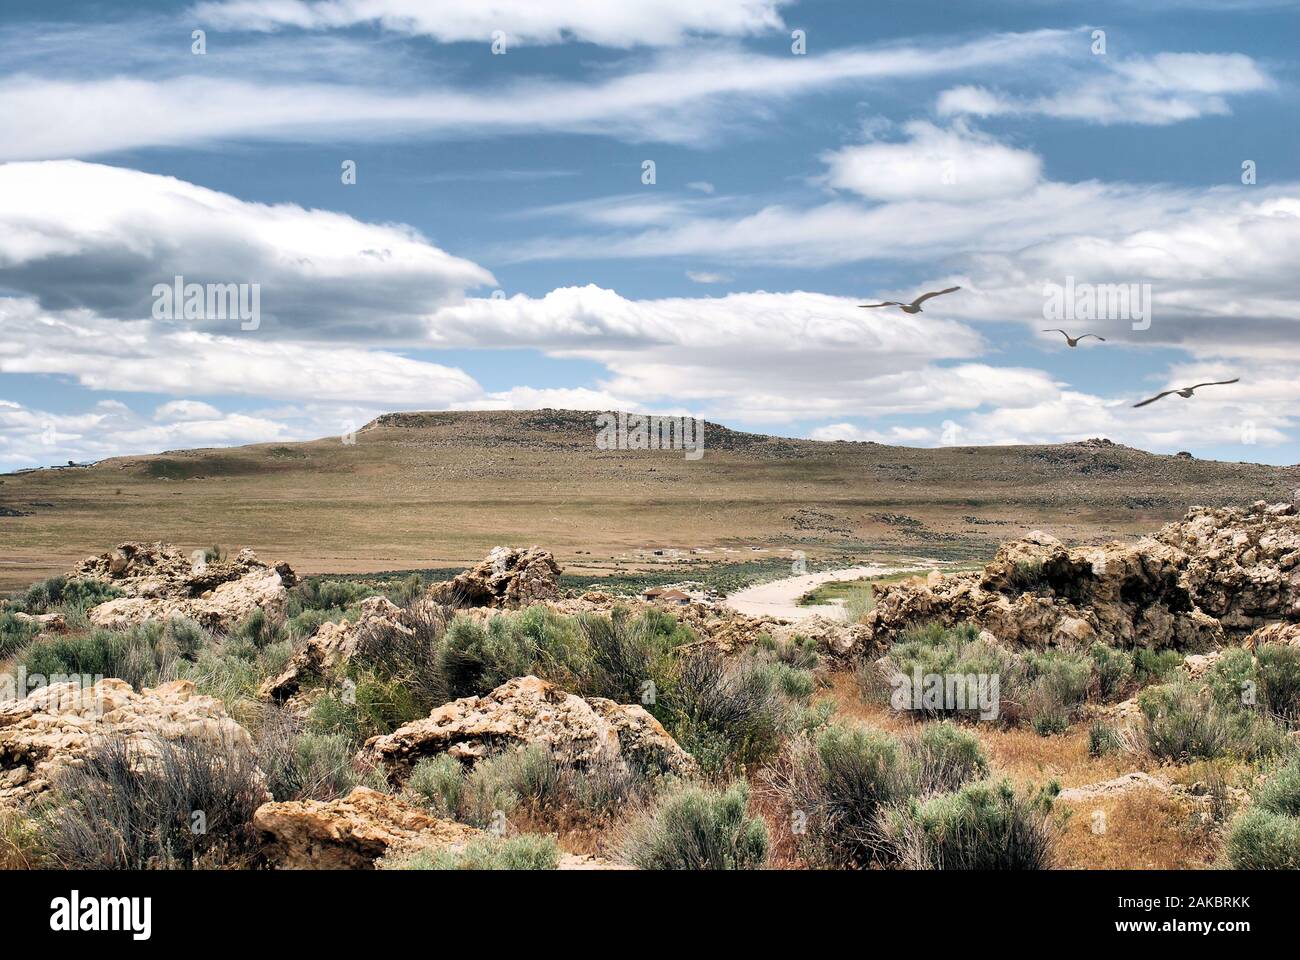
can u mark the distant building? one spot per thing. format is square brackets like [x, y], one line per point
[675, 597]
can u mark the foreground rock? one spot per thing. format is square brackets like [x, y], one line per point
[162, 582]
[58, 726]
[509, 577]
[1207, 579]
[354, 832]
[528, 710]
[332, 646]
[351, 833]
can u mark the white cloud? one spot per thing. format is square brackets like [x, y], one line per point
[136, 356]
[951, 166]
[693, 95]
[179, 411]
[708, 276]
[646, 22]
[86, 235]
[1162, 89]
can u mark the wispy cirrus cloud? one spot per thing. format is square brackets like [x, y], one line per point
[1161, 89]
[648, 22]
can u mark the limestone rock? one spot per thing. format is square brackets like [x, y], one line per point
[162, 582]
[351, 833]
[331, 647]
[1198, 583]
[46, 622]
[529, 710]
[58, 726]
[1287, 633]
[509, 577]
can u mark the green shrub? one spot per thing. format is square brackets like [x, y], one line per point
[523, 852]
[630, 660]
[139, 655]
[190, 806]
[1049, 686]
[307, 765]
[695, 828]
[1260, 840]
[936, 650]
[1182, 723]
[439, 784]
[1155, 666]
[1279, 681]
[1232, 677]
[1281, 793]
[258, 629]
[1114, 669]
[14, 634]
[43, 597]
[947, 756]
[729, 713]
[187, 636]
[1103, 740]
[982, 826]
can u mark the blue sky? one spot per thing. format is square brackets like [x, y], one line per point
[499, 247]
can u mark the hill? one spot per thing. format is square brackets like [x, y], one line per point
[436, 490]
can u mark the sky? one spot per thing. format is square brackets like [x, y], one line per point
[668, 206]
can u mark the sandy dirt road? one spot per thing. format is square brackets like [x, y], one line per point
[780, 598]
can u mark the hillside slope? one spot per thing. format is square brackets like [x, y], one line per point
[420, 490]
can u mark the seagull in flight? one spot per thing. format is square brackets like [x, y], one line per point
[1074, 341]
[1186, 392]
[915, 305]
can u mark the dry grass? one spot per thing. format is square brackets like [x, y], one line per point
[443, 490]
[1145, 829]
[1142, 829]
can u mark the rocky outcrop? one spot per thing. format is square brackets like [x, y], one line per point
[1285, 633]
[351, 833]
[46, 622]
[161, 582]
[332, 646]
[356, 831]
[59, 725]
[509, 577]
[1196, 584]
[528, 710]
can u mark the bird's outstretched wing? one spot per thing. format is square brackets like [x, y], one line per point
[1217, 383]
[933, 293]
[887, 303]
[1094, 336]
[1061, 332]
[1155, 398]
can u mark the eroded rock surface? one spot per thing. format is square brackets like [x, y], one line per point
[528, 710]
[1198, 583]
[356, 831]
[351, 833]
[162, 582]
[332, 646]
[508, 577]
[59, 725]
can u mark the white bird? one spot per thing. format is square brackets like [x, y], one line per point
[914, 306]
[1074, 341]
[1186, 392]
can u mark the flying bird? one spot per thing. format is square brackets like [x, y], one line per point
[1074, 341]
[1186, 392]
[915, 305]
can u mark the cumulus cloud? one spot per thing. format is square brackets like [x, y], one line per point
[141, 356]
[81, 235]
[648, 22]
[955, 165]
[1162, 89]
[31, 437]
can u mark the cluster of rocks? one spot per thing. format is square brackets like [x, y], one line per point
[357, 831]
[59, 725]
[1198, 583]
[161, 582]
[508, 578]
[526, 711]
